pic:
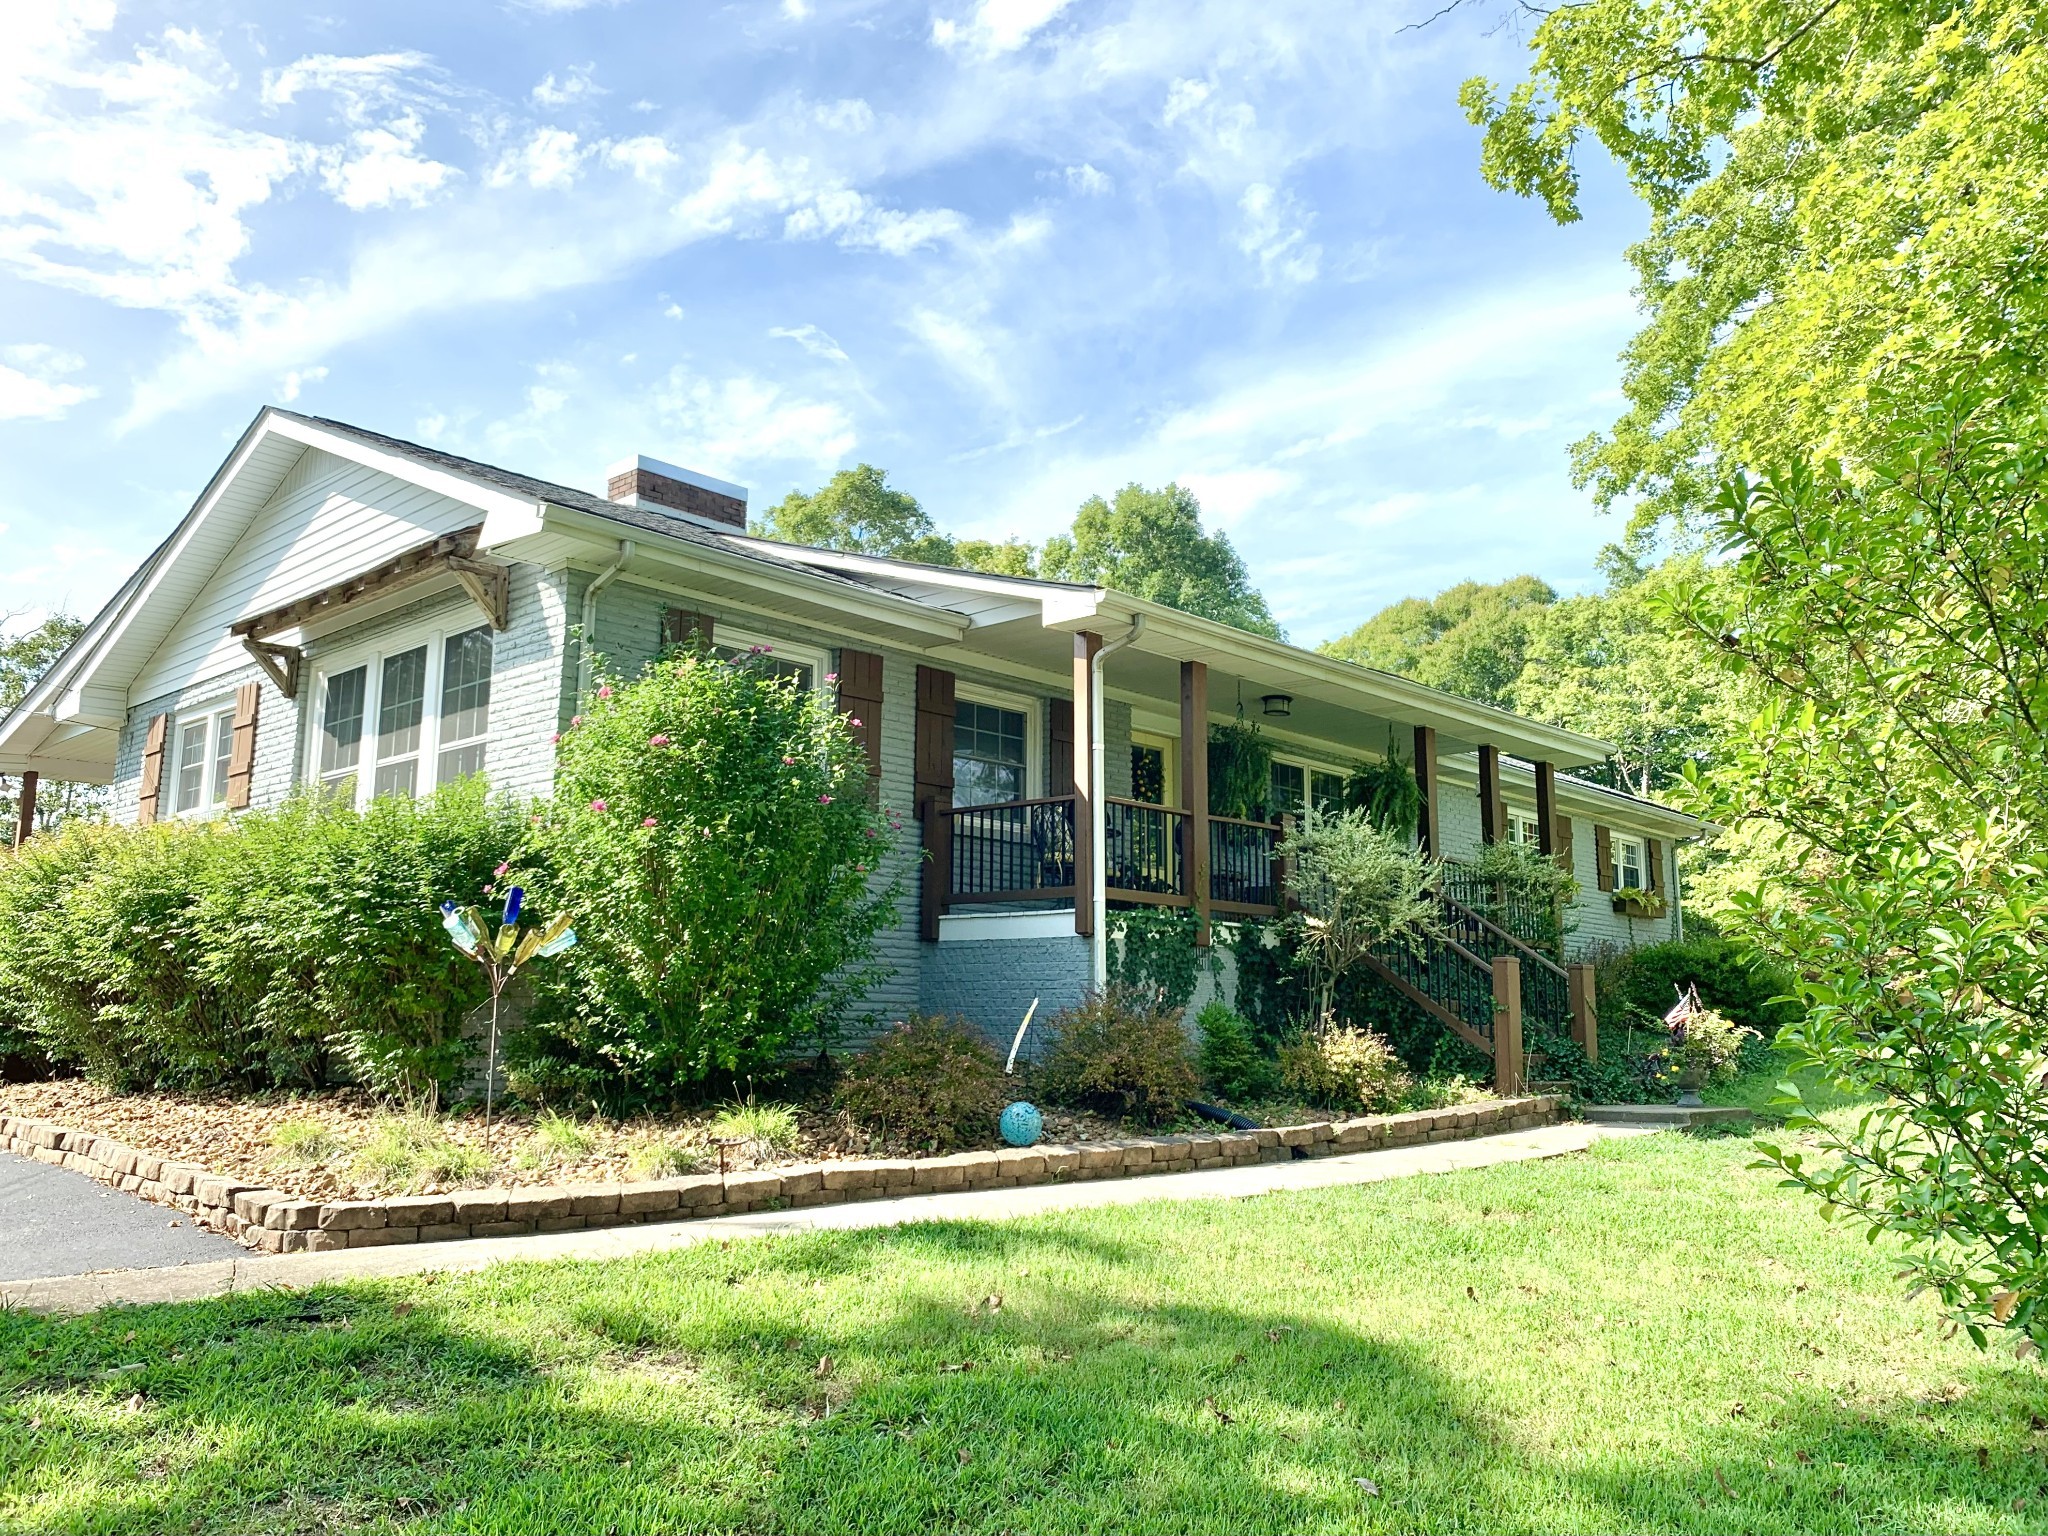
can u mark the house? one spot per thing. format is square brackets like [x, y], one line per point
[343, 608]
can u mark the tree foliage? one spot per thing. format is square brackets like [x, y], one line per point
[1469, 639]
[1847, 201]
[1354, 888]
[1894, 623]
[1151, 544]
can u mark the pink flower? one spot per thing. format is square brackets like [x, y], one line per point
[605, 692]
[860, 869]
[648, 822]
[555, 736]
[575, 720]
[867, 831]
[831, 677]
[499, 872]
[599, 806]
[852, 721]
[824, 799]
[788, 762]
[657, 740]
[895, 826]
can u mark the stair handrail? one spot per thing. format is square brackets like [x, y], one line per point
[1521, 945]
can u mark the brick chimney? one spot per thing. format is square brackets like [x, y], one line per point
[653, 486]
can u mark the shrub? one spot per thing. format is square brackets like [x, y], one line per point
[1355, 888]
[666, 1158]
[931, 1081]
[1119, 1052]
[556, 1139]
[1446, 1092]
[242, 953]
[1340, 1067]
[1232, 1064]
[713, 837]
[1650, 979]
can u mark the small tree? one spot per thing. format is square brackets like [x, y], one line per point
[1357, 887]
[714, 839]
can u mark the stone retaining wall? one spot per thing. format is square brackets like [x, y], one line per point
[275, 1221]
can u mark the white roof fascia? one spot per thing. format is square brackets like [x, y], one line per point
[1579, 796]
[885, 608]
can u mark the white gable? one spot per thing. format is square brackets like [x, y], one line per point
[329, 519]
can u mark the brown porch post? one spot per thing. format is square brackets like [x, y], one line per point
[1546, 808]
[1490, 820]
[1507, 1025]
[1426, 835]
[25, 826]
[1194, 789]
[1085, 851]
[1585, 1014]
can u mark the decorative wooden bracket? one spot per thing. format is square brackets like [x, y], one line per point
[280, 663]
[488, 583]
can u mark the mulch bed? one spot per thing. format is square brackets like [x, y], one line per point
[234, 1137]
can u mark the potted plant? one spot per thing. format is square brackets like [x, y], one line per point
[1630, 901]
[1702, 1050]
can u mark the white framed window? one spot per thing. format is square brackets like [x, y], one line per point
[404, 719]
[203, 743]
[1297, 782]
[806, 663]
[1631, 870]
[997, 754]
[1524, 829]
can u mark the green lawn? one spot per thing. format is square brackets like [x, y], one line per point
[1645, 1338]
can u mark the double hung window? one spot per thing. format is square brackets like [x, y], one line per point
[1297, 784]
[406, 720]
[1630, 867]
[990, 758]
[205, 743]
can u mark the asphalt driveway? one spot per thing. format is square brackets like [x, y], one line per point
[56, 1222]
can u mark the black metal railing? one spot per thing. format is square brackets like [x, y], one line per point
[1020, 850]
[1536, 923]
[1546, 990]
[1241, 855]
[1443, 969]
[1143, 848]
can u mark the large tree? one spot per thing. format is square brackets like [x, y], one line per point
[23, 659]
[1848, 218]
[858, 510]
[1151, 544]
[1469, 639]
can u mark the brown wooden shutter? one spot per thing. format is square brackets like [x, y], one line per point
[1563, 836]
[684, 626]
[1060, 730]
[1653, 855]
[860, 699]
[933, 794]
[1603, 857]
[242, 749]
[153, 769]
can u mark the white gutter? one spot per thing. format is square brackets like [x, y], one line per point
[1098, 820]
[598, 583]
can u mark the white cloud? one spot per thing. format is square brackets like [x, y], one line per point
[550, 158]
[851, 115]
[31, 387]
[743, 421]
[965, 345]
[673, 312]
[379, 167]
[997, 26]
[288, 388]
[575, 84]
[1088, 181]
[1274, 232]
[859, 224]
[357, 82]
[796, 10]
[646, 155]
[812, 340]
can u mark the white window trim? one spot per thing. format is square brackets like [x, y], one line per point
[1517, 820]
[1033, 711]
[1309, 766]
[739, 639]
[371, 659]
[212, 713]
[1624, 840]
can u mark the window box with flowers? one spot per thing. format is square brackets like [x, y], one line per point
[1630, 901]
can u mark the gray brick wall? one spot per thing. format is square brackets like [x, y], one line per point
[990, 982]
[277, 736]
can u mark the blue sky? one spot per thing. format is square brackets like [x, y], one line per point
[1014, 251]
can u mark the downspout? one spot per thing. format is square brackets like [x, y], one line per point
[1677, 892]
[598, 583]
[1098, 830]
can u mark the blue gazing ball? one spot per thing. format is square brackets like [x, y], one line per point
[1021, 1124]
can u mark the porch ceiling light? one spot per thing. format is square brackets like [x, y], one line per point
[1276, 706]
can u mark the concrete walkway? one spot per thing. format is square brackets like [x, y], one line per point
[57, 1222]
[86, 1293]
